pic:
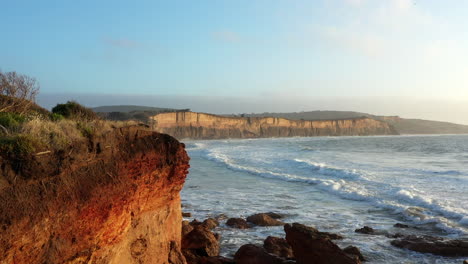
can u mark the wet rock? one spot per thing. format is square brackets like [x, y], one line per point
[237, 223]
[185, 214]
[352, 250]
[251, 254]
[400, 225]
[433, 245]
[210, 223]
[200, 242]
[275, 215]
[278, 246]
[186, 228]
[311, 246]
[465, 262]
[365, 230]
[263, 219]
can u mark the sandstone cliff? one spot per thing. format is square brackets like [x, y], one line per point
[114, 199]
[205, 126]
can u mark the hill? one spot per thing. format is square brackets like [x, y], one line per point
[132, 112]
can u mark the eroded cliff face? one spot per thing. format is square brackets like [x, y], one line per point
[113, 199]
[205, 126]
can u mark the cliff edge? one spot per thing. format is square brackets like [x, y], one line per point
[112, 199]
[206, 126]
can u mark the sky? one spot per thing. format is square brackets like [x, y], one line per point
[390, 57]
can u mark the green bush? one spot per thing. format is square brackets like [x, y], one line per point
[11, 120]
[18, 146]
[73, 110]
[56, 117]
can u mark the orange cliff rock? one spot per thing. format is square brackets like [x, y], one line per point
[206, 126]
[114, 199]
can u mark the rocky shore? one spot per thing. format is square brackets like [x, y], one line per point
[302, 244]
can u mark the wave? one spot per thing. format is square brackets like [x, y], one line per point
[351, 185]
[328, 170]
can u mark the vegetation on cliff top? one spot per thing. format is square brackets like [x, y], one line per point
[27, 129]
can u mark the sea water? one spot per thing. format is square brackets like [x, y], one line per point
[336, 184]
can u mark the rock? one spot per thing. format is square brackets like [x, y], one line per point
[184, 214]
[275, 215]
[278, 246]
[195, 222]
[399, 225]
[365, 230]
[202, 241]
[352, 250]
[433, 245]
[210, 223]
[251, 254]
[175, 255]
[237, 223]
[465, 262]
[186, 228]
[263, 219]
[110, 198]
[310, 246]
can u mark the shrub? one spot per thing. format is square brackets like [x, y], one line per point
[18, 146]
[74, 110]
[11, 121]
[56, 117]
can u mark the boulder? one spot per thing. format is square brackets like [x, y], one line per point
[365, 230]
[201, 242]
[278, 246]
[465, 262]
[352, 250]
[275, 215]
[433, 245]
[185, 214]
[400, 225]
[186, 228]
[252, 254]
[311, 246]
[237, 223]
[263, 219]
[210, 223]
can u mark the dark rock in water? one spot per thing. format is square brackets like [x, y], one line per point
[465, 262]
[396, 235]
[215, 260]
[184, 214]
[311, 246]
[365, 230]
[195, 222]
[352, 250]
[200, 242]
[399, 225]
[237, 223]
[278, 246]
[210, 223]
[275, 215]
[251, 254]
[263, 219]
[433, 245]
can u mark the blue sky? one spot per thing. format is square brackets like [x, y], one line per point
[409, 49]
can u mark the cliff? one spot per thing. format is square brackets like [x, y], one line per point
[205, 126]
[113, 199]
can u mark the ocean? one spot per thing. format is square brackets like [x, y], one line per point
[335, 184]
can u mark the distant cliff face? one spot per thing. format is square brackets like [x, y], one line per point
[114, 199]
[205, 126]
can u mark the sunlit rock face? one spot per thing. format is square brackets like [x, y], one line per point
[113, 200]
[205, 126]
